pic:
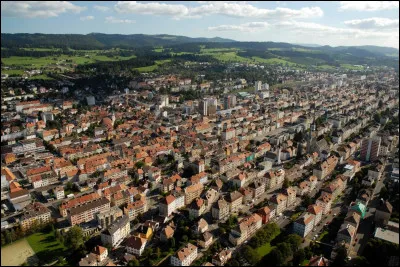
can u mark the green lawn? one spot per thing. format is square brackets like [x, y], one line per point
[41, 77]
[46, 246]
[152, 67]
[351, 67]
[10, 72]
[326, 67]
[295, 216]
[324, 233]
[264, 250]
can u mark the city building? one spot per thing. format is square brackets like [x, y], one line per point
[185, 256]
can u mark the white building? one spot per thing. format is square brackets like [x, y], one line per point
[116, 233]
[304, 224]
[185, 256]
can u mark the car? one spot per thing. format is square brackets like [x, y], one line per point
[313, 238]
[314, 229]
[349, 258]
[334, 214]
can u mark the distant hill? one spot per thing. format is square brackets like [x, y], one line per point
[309, 45]
[98, 40]
[305, 54]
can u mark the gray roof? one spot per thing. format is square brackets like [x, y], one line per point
[121, 222]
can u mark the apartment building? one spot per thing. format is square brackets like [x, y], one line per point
[303, 225]
[246, 228]
[87, 211]
[116, 233]
[185, 256]
[235, 201]
[279, 201]
[105, 219]
[135, 208]
[68, 204]
[290, 192]
[370, 148]
[35, 213]
[192, 192]
[325, 168]
[325, 202]
[316, 211]
[220, 210]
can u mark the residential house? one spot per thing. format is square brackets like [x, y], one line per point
[221, 258]
[135, 245]
[220, 210]
[185, 256]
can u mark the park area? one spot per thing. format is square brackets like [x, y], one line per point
[40, 247]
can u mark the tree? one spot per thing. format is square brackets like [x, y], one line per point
[133, 262]
[251, 255]
[158, 252]
[286, 183]
[298, 257]
[172, 242]
[294, 241]
[340, 259]
[307, 201]
[147, 253]
[360, 261]
[384, 193]
[74, 238]
[285, 249]
[274, 258]
[139, 164]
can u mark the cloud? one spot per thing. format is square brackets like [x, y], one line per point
[314, 29]
[368, 5]
[35, 9]
[115, 20]
[246, 27]
[373, 23]
[101, 8]
[87, 18]
[151, 8]
[232, 9]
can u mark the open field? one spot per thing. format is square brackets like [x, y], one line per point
[152, 67]
[40, 77]
[17, 253]
[11, 72]
[46, 246]
[351, 67]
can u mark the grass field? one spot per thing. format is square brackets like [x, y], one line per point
[46, 246]
[326, 67]
[17, 253]
[40, 77]
[351, 67]
[264, 250]
[152, 67]
[30, 62]
[10, 72]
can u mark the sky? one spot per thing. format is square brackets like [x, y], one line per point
[333, 23]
